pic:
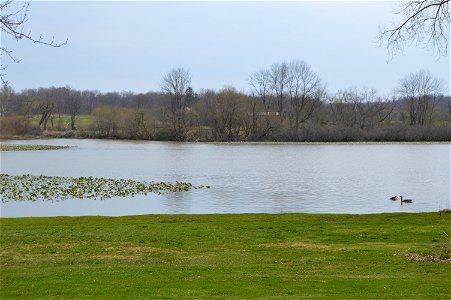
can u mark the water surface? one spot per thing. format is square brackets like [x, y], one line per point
[244, 178]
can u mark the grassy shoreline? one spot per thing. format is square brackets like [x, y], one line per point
[281, 256]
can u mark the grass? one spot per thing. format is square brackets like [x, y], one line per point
[81, 121]
[30, 147]
[287, 256]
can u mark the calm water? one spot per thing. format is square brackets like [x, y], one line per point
[244, 178]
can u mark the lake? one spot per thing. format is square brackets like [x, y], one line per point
[244, 177]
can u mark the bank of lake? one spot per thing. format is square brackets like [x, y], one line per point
[265, 256]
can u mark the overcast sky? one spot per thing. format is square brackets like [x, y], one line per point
[129, 46]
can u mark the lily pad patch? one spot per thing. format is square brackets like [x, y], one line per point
[56, 188]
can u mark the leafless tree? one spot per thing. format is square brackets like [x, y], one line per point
[261, 86]
[423, 22]
[305, 92]
[278, 75]
[107, 120]
[342, 108]
[359, 108]
[25, 104]
[12, 22]
[46, 104]
[420, 91]
[175, 84]
[228, 115]
[372, 110]
[136, 124]
[73, 104]
[204, 109]
[89, 98]
[6, 93]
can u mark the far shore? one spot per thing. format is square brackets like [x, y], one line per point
[53, 137]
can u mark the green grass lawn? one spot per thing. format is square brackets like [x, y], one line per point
[288, 256]
[81, 121]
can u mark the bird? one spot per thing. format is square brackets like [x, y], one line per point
[394, 198]
[405, 200]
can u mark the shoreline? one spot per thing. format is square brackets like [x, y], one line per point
[18, 138]
[441, 212]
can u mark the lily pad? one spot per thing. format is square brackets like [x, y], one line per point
[56, 188]
[30, 147]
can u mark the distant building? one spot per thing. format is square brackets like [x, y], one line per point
[263, 113]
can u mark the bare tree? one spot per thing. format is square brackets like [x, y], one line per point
[342, 108]
[25, 104]
[89, 98]
[107, 120]
[136, 124]
[372, 110]
[305, 92]
[73, 103]
[204, 108]
[424, 22]
[228, 114]
[359, 108]
[6, 93]
[12, 22]
[261, 86]
[46, 104]
[278, 75]
[419, 92]
[175, 84]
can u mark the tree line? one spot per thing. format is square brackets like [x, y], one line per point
[287, 101]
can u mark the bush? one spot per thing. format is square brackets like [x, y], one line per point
[17, 126]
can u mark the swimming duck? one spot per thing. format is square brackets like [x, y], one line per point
[405, 200]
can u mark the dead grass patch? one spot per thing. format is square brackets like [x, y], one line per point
[441, 255]
[65, 251]
[307, 246]
[428, 258]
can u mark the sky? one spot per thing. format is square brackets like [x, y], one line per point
[129, 46]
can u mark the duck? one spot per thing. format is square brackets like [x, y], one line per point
[394, 198]
[405, 200]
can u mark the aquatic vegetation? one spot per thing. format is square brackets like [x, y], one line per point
[55, 188]
[30, 147]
